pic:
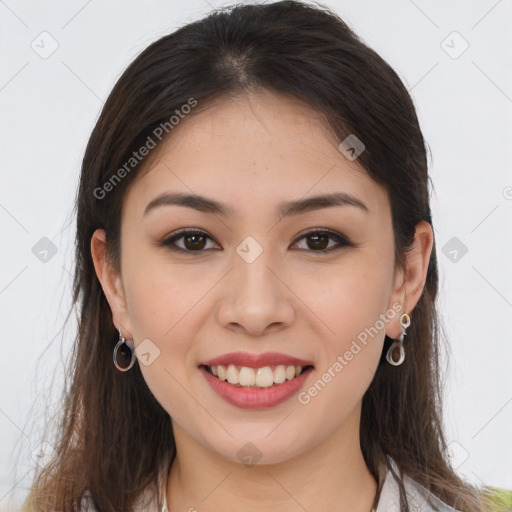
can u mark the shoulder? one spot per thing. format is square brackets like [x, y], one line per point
[87, 503]
[152, 499]
[419, 498]
[147, 501]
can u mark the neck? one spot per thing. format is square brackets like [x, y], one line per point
[330, 476]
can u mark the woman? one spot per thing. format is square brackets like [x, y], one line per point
[256, 275]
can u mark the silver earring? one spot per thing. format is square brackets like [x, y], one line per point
[396, 353]
[124, 354]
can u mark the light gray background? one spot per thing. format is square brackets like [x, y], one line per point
[48, 109]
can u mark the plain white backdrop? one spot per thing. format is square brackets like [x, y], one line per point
[59, 61]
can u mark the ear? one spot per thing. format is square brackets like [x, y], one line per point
[409, 283]
[111, 283]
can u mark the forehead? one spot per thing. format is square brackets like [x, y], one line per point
[254, 149]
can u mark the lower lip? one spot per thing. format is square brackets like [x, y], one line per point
[255, 398]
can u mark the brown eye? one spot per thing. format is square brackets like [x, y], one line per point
[318, 241]
[193, 241]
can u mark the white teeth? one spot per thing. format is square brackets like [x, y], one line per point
[280, 374]
[247, 376]
[232, 374]
[221, 372]
[264, 377]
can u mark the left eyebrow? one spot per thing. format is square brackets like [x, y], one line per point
[288, 208]
[322, 201]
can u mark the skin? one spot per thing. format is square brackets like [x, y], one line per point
[251, 153]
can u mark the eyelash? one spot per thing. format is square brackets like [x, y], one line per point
[342, 240]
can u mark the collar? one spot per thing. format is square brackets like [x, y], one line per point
[418, 497]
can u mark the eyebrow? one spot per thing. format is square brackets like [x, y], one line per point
[288, 208]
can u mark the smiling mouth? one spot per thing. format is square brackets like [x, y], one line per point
[256, 378]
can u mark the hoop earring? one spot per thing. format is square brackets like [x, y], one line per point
[124, 354]
[396, 353]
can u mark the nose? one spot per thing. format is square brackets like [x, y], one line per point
[255, 297]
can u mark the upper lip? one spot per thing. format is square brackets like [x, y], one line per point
[256, 360]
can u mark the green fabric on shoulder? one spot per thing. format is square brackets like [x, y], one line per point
[498, 500]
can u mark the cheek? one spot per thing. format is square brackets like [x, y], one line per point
[161, 305]
[352, 307]
[354, 292]
[351, 347]
[158, 294]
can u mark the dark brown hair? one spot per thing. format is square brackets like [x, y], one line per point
[113, 432]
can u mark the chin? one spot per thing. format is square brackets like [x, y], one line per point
[258, 450]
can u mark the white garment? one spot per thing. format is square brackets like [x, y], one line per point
[420, 499]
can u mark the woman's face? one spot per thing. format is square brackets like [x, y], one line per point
[261, 276]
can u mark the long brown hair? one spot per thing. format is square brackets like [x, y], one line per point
[112, 431]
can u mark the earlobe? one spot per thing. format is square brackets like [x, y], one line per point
[110, 282]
